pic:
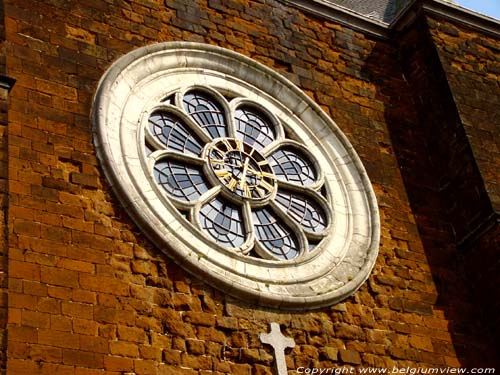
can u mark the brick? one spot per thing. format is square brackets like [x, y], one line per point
[23, 270]
[86, 180]
[78, 224]
[82, 358]
[24, 334]
[27, 228]
[59, 277]
[178, 328]
[94, 344]
[55, 234]
[343, 330]
[45, 353]
[21, 366]
[56, 89]
[104, 284]
[421, 342]
[330, 354]
[85, 327]
[350, 356]
[53, 368]
[35, 319]
[132, 334]
[114, 363]
[171, 357]
[144, 367]
[196, 347]
[77, 310]
[199, 318]
[84, 296]
[210, 334]
[55, 338]
[123, 348]
[60, 323]
[80, 34]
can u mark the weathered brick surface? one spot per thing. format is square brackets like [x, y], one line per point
[473, 78]
[3, 199]
[87, 291]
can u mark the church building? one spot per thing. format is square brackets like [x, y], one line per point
[249, 187]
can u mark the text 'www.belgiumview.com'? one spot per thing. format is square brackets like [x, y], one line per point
[396, 370]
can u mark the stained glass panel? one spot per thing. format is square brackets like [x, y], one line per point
[274, 236]
[183, 182]
[253, 128]
[223, 222]
[290, 166]
[206, 112]
[170, 131]
[303, 210]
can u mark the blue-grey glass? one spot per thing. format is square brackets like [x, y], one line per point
[224, 222]
[274, 235]
[290, 166]
[253, 128]
[303, 210]
[175, 135]
[206, 112]
[182, 182]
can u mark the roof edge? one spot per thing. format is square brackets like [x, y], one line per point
[463, 16]
[382, 30]
[344, 16]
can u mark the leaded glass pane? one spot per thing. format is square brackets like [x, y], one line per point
[289, 166]
[224, 222]
[274, 236]
[170, 131]
[253, 128]
[206, 112]
[183, 182]
[303, 210]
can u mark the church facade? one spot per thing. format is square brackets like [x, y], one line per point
[248, 187]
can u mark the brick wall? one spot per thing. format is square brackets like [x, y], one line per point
[3, 198]
[470, 61]
[444, 186]
[471, 66]
[87, 291]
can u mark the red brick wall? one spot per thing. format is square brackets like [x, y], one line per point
[472, 71]
[445, 188]
[87, 291]
[470, 60]
[3, 199]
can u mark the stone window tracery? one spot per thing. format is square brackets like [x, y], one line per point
[236, 175]
[228, 178]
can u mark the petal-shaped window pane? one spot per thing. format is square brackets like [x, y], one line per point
[206, 112]
[183, 182]
[274, 236]
[253, 128]
[224, 222]
[290, 166]
[303, 210]
[170, 131]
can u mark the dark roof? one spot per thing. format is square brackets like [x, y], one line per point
[380, 10]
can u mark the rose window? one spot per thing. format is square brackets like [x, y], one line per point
[236, 175]
[228, 166]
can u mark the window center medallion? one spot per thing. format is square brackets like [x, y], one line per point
[241, 169]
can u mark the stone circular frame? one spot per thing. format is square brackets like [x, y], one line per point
[129, 91]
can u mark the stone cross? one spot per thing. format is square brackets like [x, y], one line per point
[279, 343]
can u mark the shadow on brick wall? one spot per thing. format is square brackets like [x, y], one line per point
[444, 188]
